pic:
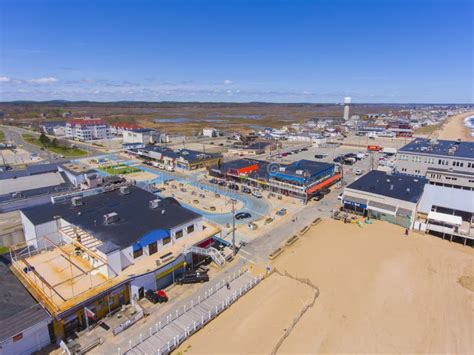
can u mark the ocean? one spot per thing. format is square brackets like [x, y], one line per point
[469, 122]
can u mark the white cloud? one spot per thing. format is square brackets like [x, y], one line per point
[228, 82]
[4, 79]
[46, 80]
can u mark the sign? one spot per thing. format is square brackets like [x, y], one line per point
[355, 204]
[17, 337]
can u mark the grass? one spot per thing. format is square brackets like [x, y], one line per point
[428, 129]
[2, 136]
[66, 151]
[120, 169]
[3, 250]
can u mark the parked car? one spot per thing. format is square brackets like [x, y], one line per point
[242, 215]
[233, 186]
[213, 181]
[318, 197]
[151, 296]
[246, 190]
[325, 191]
[338, 159]
[162, 296]
[169, 168]
[257, 194]
[358, 172]
[192, 278]
[221, 183]
[340, 197]
[281, 212]
[304, 149]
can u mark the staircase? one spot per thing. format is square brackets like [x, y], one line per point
[86, 239]
[212, 252]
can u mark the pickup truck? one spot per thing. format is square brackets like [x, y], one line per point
[192, 278]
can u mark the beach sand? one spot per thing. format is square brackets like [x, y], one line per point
[380, 292]
[455, 128]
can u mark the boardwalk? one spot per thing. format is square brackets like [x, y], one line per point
[172, 329]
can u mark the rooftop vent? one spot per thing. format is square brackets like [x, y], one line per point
[76, 201]
[154, 204]
[163, 211]
[408, 189]
[391, 187]
[124, 190]
[110, 218]
[299, 172]
[282, 168]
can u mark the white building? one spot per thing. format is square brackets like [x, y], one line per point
[87, 129]
[140, 135]
[210, 132]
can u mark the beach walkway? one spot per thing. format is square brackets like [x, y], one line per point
[184, 320]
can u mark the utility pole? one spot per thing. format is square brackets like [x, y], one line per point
[233, 226]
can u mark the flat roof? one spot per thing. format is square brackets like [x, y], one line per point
[460, 149]
[29, 170]
[398, 186]
[26, 183]
[447, 197]
[447, 218]
[310, 167]
[135, 217]
[187, 154]
[18, 309]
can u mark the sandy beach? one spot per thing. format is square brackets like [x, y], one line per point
[380, 292]
[455, 128]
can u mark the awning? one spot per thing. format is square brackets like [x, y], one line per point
[445, 218]
[381, 210]
[325, 183]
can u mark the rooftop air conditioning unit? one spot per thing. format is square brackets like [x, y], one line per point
[299, 172]
[110, 218]
[154, 204]
[76, 201]
[124, 190]
[282, 168]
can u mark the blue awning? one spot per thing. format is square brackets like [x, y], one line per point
[153, 236]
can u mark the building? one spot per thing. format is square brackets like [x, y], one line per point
[253, 148]
[34, 184]
[87, 129]
[443, 162]
[24, 324]
[119, 128]
[447, 213]
[53, 127]
[301, 179]
[97, 252]
[388, 197]
[140, 135]
[179, 158]
[210, 132]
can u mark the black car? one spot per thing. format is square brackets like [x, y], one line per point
[318, 197]
[213, 181]
[324, 192]
[192, 278]
[338, 159]
[243, 215]
[304, 149]
[233, 186]
[319, 156]
[221, 183]
[152, 296]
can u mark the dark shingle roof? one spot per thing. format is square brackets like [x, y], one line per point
[135, 216]
[398, 186]
[18, 309]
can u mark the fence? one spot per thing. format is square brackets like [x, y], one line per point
[172, 342]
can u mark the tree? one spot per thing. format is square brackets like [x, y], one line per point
[54, 143]
[44, 140]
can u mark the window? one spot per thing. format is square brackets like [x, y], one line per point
[152, 248]
[178, 234]
[190, 228]
[166, 240]
[137, 253]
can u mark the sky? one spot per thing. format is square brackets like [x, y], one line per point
[375, 51]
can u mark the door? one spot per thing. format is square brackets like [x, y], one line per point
[141, 293]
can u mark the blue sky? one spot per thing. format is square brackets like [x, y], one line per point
[237, 50]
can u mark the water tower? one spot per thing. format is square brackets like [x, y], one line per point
[347, 102]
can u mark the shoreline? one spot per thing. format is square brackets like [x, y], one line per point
[455, 128]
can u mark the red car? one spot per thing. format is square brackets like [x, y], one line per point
[162, 296]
